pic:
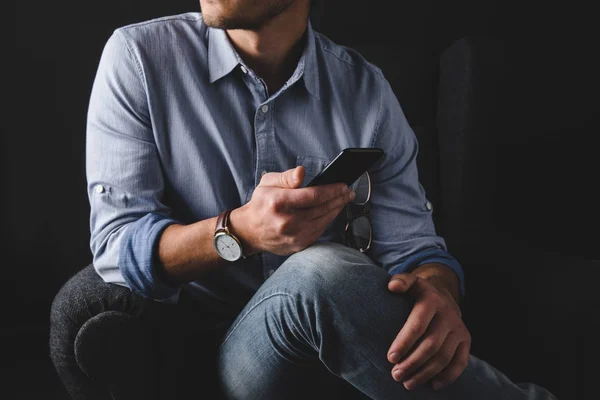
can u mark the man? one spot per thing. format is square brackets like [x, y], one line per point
[218, 120]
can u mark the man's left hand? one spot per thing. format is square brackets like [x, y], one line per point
[434, 343]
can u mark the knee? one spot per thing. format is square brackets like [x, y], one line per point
[341, 281]
[334, 270]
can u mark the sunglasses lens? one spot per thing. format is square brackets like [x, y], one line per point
[361, 232]
[362, 187]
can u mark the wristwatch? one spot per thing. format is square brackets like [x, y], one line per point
[226, 244]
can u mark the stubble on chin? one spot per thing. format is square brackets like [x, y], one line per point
[228, 23]
[253, 23]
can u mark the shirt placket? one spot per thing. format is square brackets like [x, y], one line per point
[263, 134]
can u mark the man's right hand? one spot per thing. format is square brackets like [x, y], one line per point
[282, 218]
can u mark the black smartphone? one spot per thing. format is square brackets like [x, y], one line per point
[348, 166]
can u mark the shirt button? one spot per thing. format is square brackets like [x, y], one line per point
[264, 109]
[244, 70]
[99, 189]
[271, 272]
[263, 173]
[428, 206]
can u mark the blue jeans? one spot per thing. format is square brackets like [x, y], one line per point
[330, 305]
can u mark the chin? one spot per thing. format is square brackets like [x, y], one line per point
[214, 21]
[213, 13]
[217, 15]
[230, 23]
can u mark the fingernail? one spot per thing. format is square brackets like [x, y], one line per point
[395, 357]
[352, 195]
[436, 385]
[409, 385]
[398, 374]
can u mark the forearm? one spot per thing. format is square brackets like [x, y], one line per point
[442, 277]
[186, 252]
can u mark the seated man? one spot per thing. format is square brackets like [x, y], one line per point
[217, 120]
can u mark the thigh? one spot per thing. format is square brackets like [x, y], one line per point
[274, 348]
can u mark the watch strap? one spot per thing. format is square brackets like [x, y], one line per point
[222, 221]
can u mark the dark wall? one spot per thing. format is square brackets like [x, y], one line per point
[58, 45]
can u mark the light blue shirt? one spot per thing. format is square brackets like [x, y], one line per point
[179, 130]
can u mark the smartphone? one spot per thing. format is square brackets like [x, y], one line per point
[348, 166]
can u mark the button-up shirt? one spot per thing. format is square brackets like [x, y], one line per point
[179, 129]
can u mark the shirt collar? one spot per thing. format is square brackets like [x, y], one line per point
[309, 58]
[222, 59]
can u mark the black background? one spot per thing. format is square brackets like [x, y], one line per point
[47, 87]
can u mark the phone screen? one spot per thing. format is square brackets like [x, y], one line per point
[348, 166]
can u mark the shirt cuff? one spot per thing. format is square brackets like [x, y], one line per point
[432, 256]
[139, 263]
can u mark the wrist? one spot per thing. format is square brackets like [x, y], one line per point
[241, 229]
[442, 277]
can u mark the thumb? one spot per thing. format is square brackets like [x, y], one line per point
[290, 179]
[401, 283]
[296, 177]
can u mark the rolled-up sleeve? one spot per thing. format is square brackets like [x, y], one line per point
[124, 176]
[404, 235]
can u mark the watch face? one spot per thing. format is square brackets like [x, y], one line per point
[227, 247]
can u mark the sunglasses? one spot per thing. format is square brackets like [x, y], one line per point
[358, 232]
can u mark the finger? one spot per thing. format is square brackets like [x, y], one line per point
[401, 283]
[314, 230]
[290, 179]
[318, 226]
[428, 347]
[455, 368]
[418, 320]
[434, 365]
[315, 195]
[318, 212]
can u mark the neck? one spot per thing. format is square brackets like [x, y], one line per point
[273, 51]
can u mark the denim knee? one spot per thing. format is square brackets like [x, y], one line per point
[334, 271]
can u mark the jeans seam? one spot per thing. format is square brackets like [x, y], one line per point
[289, 296]
[250, 310]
